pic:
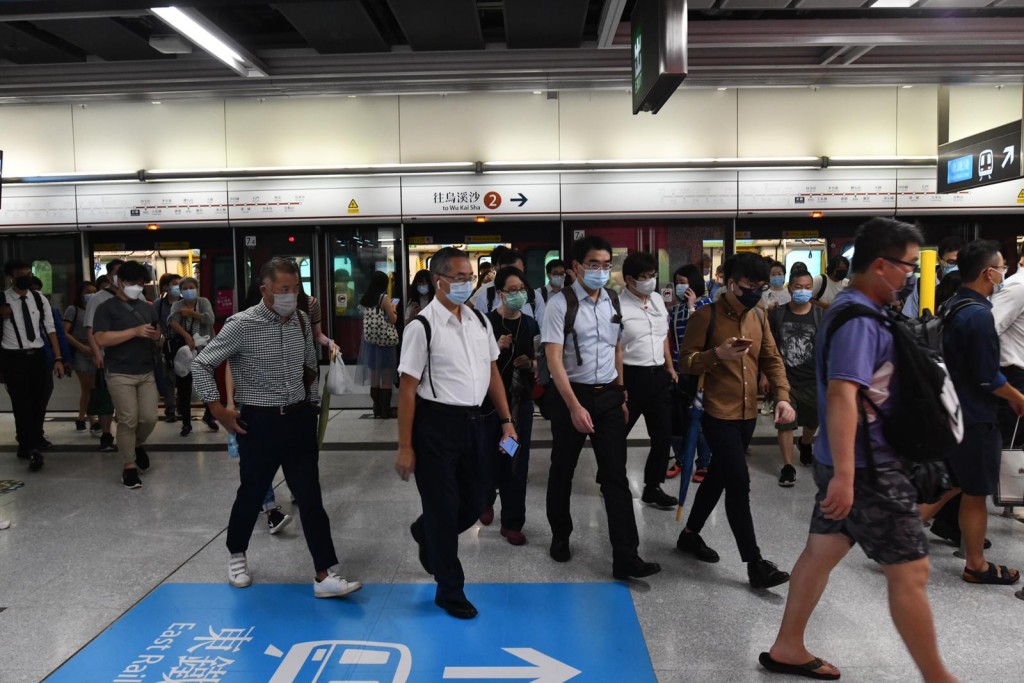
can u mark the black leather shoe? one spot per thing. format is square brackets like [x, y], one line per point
[44, 445]
[35, 461]
[655, 497]
[634, 568]
[458, 608]
[560, 549]
[417, 536]
[765, 574]
[694, 545]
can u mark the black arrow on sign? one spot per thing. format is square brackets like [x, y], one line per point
[521, 199]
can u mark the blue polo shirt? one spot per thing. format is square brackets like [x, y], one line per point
[970, 347]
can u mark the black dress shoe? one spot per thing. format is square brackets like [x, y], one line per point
[694, 545]
[417, 536]
[655, 497]
[560, 549]
[35, 461]
[634, 568]
[44, 445]
[765, 574]
[24, 455]
[460, 608]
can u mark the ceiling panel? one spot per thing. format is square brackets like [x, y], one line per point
[105, 38]
[953, 4]
[831, 4]
[439, 24]
[544, 23]
[1010, 3]
[755, 4]
[19, 43]
[335, 27]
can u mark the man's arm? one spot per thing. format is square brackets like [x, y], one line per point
[1008, 307]
[841, 407]
[225, 345]
[405, 463]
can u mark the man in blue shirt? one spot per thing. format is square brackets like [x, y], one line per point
[854, 505]
[971, 348]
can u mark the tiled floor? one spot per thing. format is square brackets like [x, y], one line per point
[82, 551]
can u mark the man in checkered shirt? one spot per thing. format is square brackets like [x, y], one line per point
[273, 363]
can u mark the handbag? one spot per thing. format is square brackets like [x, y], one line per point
[1010, 491]
[377, 329]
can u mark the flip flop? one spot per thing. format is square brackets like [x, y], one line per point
[995, 575]
[808, 670]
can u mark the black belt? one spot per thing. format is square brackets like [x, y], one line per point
[278, 410]
[25, 352]
[597, 389]
[644, 368]
[469, 412]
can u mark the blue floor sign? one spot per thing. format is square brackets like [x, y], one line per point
[532, 633]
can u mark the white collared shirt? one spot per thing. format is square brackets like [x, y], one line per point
[1008, 311]
[645, 329]
[461, 353]
[538, 302]
[598, 334]
[10, 337]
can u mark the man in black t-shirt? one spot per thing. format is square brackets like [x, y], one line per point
[795, 328]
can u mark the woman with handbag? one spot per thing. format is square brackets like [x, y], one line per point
[376, 364]
[191, 317]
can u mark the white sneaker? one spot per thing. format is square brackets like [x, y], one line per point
[238, 571]
[5, 524]
[334, 586]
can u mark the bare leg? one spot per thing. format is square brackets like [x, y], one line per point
[85, 382]
[973, 525]
[929, 510]
[908, 604]
[807, 436]
[786, 446]
[806, 585]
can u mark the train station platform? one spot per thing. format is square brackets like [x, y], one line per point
[100, 583]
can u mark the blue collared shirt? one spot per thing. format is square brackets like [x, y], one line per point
[597, 332]
[970, 347]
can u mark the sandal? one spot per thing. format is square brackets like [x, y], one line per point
[995, 575]
[808, 670]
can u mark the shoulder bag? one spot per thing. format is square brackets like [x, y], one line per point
[377, 329]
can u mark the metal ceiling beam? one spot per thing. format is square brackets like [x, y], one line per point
[608, 25]
[833, 52]
[855, 54]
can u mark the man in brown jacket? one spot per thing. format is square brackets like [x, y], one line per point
[729, 342]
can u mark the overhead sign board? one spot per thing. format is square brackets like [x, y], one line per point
[445, 198]
[659, 54]
[983, 159]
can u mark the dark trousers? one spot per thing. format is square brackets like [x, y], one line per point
[183, 386]
[448, 441]
[288, 442]
[609, 443]
[727, 473]
[29, 385]
[500, 473]
[650, 395]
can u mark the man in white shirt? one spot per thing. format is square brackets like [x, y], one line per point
[486, 298]
[556, 280]
[1008, 311]
[27, 323]
[828, 286]
[648, 371]
[448, 367]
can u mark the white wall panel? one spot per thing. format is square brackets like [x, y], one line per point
[825, 122]
[38, 207]
[600, 124]
[918, 121]
[335, 131]
[479, 127]
[973, 109]
[134, 135]
[649, 194]
[36, 140]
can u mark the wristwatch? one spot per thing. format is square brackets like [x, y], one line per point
[505, 421]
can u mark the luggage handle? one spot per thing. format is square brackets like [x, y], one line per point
[1013, 439]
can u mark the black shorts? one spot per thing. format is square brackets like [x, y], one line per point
[974, 464]
[884, 519]
[804, 400]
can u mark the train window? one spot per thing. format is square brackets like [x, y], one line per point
[809, 257]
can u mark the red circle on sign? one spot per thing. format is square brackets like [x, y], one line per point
[492, 200]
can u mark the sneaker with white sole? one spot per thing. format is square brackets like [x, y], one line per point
[277, 520]
[334, 586]
[130, 478]
[238, 571]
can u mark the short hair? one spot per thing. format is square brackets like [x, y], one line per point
[639, 262]
[947, 287]
[507, 258]
[15, 264]
[189, 281]
[278, 264]
[882, 238]
[440, 262]
[951, 243]
[694, 276]
[777, 264]
[102, 281]
[800, 272]
[505, 273]
[834, 263]
[975, 257]
[583, 246]
[113, 265]
[133, 271]
[746, 265]
[167, 278]
[36, 282]
[555, 263]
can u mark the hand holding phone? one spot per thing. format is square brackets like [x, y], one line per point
[509, 445]
[742, 343]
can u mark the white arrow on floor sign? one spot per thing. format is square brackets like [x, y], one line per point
[544, 669]
[1008, 156]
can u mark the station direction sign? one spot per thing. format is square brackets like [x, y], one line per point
[452, 197]
[549, 633]
[993, 156]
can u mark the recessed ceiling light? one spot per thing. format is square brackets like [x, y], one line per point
[538, 92]
[156, 102]
[722, 89]
[891, 4]
[352, 96]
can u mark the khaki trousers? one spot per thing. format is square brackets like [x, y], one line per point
[135, 400]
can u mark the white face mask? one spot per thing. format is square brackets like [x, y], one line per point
[285, 304]
[133, 291]
[646, 287]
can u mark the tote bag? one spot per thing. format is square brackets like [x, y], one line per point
[1011, 475]
[377, 329]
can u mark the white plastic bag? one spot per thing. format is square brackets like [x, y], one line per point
[183, 361]
[338, 381]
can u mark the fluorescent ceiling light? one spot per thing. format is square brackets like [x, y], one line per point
[191, 24]
[893, 4]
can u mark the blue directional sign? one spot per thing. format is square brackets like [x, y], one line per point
[533, 633]
[983, 159]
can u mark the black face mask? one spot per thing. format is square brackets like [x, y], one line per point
[748, 298]
[841, 274]
[23, 282]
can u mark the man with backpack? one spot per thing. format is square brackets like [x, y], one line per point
[581, 335]
[859, 369]
[971, 348]
[794, 328]
[555, 269]
[486, 299]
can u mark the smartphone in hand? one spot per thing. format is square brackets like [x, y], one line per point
[742, 342]
[509, 445]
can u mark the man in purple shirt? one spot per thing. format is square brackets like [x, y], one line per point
[852, 506]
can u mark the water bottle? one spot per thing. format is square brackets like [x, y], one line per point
[232, 446]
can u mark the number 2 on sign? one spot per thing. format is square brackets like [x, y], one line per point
[492, 200]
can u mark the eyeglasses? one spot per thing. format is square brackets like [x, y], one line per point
[461, 279]
[514, 290]
[592, 265]
[915, 268]
[759, 287]
[1002, 269]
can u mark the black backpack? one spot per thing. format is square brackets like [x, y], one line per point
[426, 331]
[572, 308]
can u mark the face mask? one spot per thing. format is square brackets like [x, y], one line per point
[285, 304]
[646, 287]
[596, 279]
[802, 296]
[557, 281]
[681, 291]
[515, 301]
[176, 290]
[23, 281]
[946, 270]
[459, 292]
[190, 294]
[841, 275]
[87, 298]
[778, 281]
[133, 291]
[748, 298]
[423, 289]
[998, 286]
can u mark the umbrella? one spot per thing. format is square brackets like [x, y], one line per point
[690, 449]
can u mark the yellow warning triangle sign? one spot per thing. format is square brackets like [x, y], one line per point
[353, 207]
[1020, 197]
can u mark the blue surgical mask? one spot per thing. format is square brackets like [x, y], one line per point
[176, 290]
[557, 281]
[596, 278]
[190, 294]
[802, 296]
[88, 297]
[778, 281]
[681, 291]
[459, 292]
[516, 301]
[423, 289]
[946, 270]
